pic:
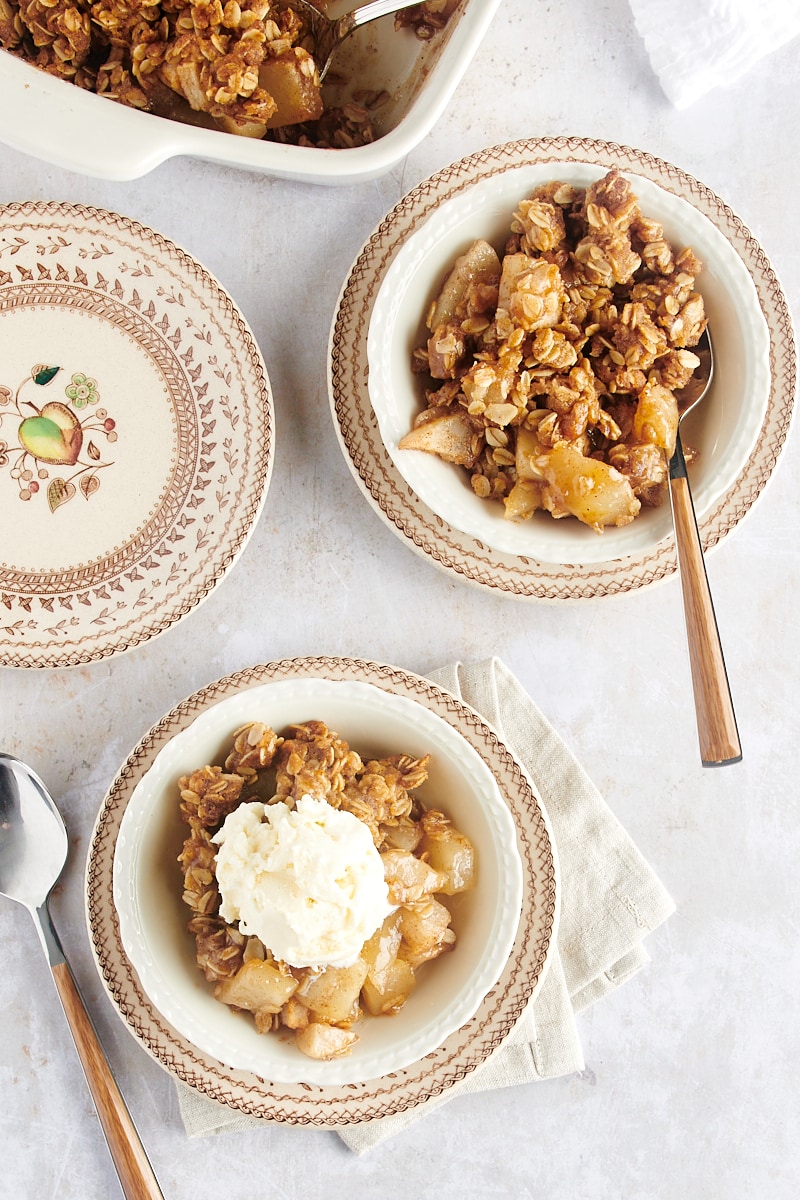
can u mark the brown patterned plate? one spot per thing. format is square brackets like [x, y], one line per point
[136, 434]
[412, 249]
[462, 1051]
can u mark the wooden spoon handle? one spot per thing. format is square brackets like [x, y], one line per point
[133, 1166]
[716, 721]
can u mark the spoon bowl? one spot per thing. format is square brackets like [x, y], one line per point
[33, 851]
[689, 397]
[33, 838]
[329, 32]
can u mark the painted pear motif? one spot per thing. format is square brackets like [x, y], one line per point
[54, 436]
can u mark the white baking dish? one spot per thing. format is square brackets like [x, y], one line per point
[72, 128]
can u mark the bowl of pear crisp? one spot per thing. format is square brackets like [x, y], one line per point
[538, 407]
[507, 354]
[318, 878]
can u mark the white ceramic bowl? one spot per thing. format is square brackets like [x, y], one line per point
[152, 916]
[73, 128]
[724, 428]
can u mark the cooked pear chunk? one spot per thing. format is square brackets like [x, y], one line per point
[322, 1041]
[332, 995]
[292, 82]
[448, 852]
[592, 491]
[479, 264]
[387, 990]
[257, 986]
[450, 436]
[426, 931]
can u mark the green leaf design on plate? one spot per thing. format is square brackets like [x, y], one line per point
[44, 374]
[59, 492]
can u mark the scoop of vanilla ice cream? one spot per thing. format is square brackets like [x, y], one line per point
[307, 881]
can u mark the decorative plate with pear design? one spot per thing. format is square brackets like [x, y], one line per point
[136, 433]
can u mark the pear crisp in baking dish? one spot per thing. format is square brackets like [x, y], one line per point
[316, 881]
[553, 366]
[243, 66]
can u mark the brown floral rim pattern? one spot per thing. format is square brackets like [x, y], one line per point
[463, 1051]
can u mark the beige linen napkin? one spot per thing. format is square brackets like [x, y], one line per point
[610, 900]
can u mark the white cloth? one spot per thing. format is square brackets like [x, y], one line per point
[610, 900]
[697, 45]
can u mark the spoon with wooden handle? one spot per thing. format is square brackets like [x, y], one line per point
[33, 850]
[716, 720]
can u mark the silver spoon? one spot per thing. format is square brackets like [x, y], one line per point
[716, 720]
[33, 850]
[329, 33]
